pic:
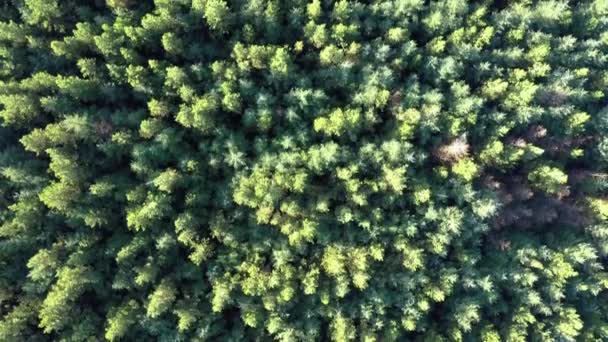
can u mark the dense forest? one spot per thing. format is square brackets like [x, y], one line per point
[303, 170]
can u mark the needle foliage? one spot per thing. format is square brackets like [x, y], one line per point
[303, 170]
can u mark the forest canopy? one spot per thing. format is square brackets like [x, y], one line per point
[303, 170]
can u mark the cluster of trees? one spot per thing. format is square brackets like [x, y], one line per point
[302, 170]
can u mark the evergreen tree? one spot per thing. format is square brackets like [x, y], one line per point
[221, 170]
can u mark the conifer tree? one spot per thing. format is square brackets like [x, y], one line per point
[303, 170]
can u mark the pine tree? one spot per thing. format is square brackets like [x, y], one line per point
[303, 170]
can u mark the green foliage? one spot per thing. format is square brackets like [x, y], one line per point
[303, 170]
[120, 320]
[548, 179]
[216, 12]
[338, 122]
[56, 308]
[466, 169]
[18, 109]
[160, 299]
